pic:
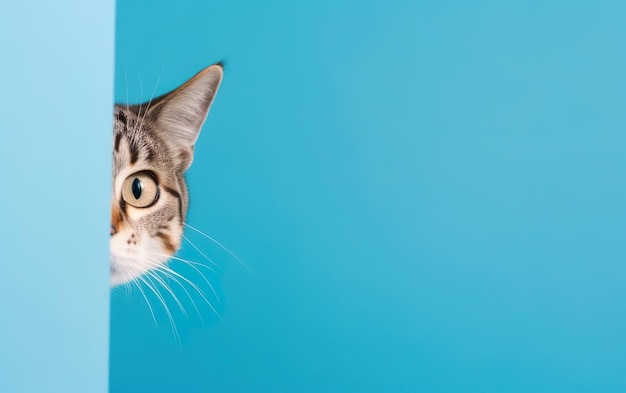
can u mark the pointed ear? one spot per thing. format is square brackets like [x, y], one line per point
[179, 115]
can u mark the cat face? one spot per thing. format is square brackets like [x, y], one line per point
[152, 148]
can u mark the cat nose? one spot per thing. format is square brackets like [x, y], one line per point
[113, 230]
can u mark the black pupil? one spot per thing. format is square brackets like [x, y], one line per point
[137, 187]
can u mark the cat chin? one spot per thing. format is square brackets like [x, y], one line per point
[125, 269]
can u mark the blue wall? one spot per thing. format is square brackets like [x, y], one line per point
[431, 196]
[56, 91]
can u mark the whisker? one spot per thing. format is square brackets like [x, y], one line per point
[191, 262]
[153, 274]
[137, 284]
[201, 253]
[194, 286]
[170, 276]
[165, 269]
[162, 300]
[127, 288]
[145, 112]
[221, 246]
[191, 265]
[126, 85]
[140, 92]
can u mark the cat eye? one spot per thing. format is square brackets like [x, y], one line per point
[140, 190]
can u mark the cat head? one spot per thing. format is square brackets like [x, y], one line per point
[152, 148]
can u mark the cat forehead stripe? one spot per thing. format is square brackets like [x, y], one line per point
[118, 138]
[177, 195]
[134, 150]
[121, 116]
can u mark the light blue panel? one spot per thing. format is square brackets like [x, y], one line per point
[431, 195]
[56, 79]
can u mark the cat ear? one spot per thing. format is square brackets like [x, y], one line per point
[179, 115]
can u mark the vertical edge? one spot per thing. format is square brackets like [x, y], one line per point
[56, 96]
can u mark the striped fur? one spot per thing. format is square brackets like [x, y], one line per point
[155, 139]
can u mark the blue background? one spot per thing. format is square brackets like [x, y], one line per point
[430, 195]
[56, 77]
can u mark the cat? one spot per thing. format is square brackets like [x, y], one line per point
[153, 145]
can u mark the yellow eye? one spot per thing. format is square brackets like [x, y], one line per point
[140, 190]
